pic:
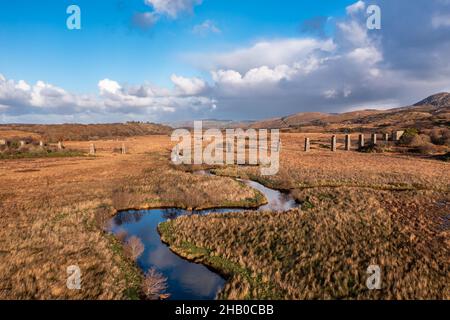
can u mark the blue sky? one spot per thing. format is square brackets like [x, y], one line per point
[109, 46]
[163, 60]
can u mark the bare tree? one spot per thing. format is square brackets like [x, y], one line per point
[133, 247]
[154, 285]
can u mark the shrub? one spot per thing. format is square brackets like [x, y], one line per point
[408, 136]
[154, 285]
[371, 148]
[440, 136]
[14, 144]
[446, 137]
[133, 248]
[419, 140]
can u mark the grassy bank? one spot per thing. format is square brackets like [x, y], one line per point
[236, 274]
[357, 210]
[322, 252]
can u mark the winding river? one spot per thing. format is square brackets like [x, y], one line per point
[186, 280]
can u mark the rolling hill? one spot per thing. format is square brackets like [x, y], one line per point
[431, 112]
[71, 132]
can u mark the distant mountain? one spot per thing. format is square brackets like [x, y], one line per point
[428, 113]
[438, 100]
[312, 119]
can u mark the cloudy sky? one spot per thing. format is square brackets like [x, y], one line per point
[168, 60]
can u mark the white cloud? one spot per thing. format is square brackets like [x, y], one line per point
[22, 97]
[108, 86]
[22, 85]
[262, 74]
[270, 53]
[19, 98]
[284, 76]
[356, 7]
[206, 27]
[274, 77]
[227, 76]
[330, 94]
[354, 33]
[172, 8]
[347, 92]
[188, 86]
[165, 8]
[368, 55]
[266, 74]
[440, 21]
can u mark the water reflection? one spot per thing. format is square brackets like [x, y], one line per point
[277, 201]
[170, 214]
[186, 280]
[126, 217]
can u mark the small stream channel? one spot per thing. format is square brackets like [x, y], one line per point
[186, 280]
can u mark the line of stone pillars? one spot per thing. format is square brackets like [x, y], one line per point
[348, 141]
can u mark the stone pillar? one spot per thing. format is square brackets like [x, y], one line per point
[307, 145]
[41, 144]
[361, 141]
[60, 145]
[92, 149]
[374, 138]
[2, 142]
[386, 138]
[333, 143]
[22, 143]
[348, 142]
[123, 149]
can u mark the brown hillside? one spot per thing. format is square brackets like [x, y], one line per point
[81, 132]
[429, 113]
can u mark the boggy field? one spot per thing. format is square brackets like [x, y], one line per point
[54, 211]
[357, 209]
